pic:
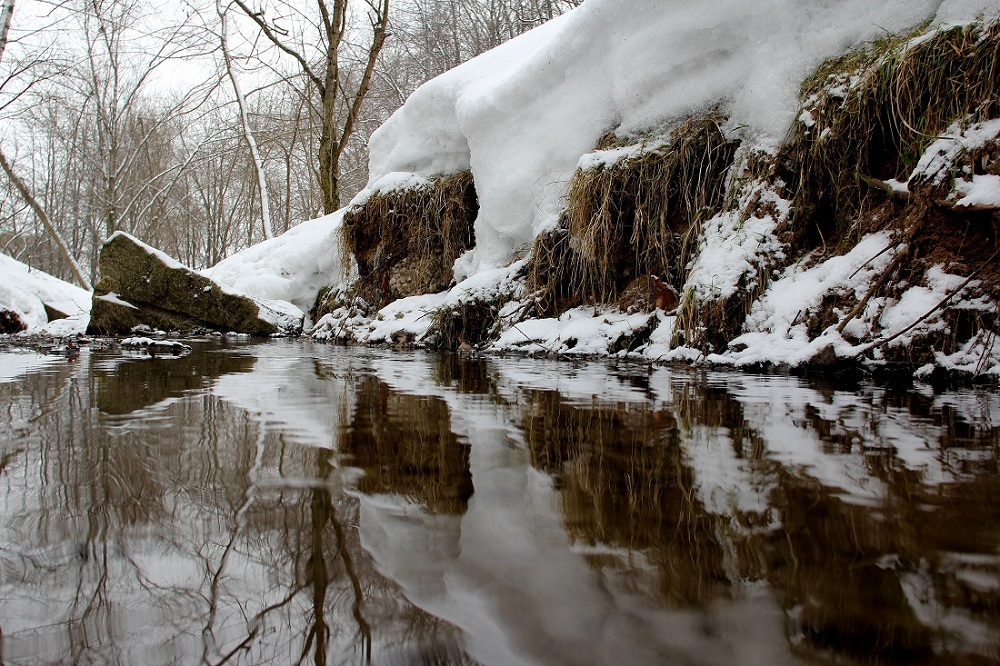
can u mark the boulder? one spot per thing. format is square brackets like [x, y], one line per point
[142, 286]
[11, 322]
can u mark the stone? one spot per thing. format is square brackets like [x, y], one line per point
[143, 286]
[11, 322]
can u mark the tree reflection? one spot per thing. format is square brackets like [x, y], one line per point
[212, 539]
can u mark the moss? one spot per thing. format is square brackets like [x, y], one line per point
[406, 242]
[172, 297]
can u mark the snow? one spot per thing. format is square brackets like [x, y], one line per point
[26, 291]
[412, 316]
[981, 191]
[390, 182]
[112, 297]
[169, 346]
[579, 332]
[733, 251]
[937, 160]
[777, 331]
[522, 115]
[600, 159]
[292, 267]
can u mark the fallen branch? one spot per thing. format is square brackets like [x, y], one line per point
[971, 208]
[951, 294]
[902, 196]
[876, 286]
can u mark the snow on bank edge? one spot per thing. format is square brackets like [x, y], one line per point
[26, 291]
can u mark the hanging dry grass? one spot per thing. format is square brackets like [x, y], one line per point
[405, 242]
[874, 112]
[639, 216]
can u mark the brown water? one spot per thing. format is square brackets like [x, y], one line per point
[289, 502]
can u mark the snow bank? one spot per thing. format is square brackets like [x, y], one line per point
[522, 115]
[292, 267]
[26, 291]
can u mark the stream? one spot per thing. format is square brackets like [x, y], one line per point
[289, 502]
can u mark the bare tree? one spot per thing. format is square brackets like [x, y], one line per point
[337, 124]
[6, 17]
[74, 267]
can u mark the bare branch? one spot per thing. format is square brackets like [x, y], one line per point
[258, 18]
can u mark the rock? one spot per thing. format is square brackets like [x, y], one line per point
[825, 357]
[143, 286]
[11, 322]
[53, 313]
[647, 292]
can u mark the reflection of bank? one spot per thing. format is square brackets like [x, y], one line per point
[729, 518]
[507, 572]
[129, 384]
[405, 446]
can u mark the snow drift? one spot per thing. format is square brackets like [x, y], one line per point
[42, 303]
[522, 115]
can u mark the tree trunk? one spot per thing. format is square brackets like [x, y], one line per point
[64, 251]
[258, 164]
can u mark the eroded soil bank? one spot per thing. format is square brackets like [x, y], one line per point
[867, 238]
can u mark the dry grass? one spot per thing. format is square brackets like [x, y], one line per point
[874, 113]
[876, 110]
[637, 217]
[405, 242]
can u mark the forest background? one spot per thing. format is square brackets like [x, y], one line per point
[204, 127]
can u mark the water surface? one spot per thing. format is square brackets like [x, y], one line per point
[290, 502]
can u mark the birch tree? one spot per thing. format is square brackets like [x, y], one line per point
[258, 165]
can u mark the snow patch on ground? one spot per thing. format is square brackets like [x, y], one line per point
[25, 291]
[777, 328]
[982, 191]
[412, 317]
[580, 332]
[292, 267]
[735, 248]
[940, 156]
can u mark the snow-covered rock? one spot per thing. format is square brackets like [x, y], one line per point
[142, 286]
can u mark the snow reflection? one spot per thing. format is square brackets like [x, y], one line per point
[289, 502]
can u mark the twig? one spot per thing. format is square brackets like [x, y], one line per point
[882, 186]
[941, 303]
[878, 284]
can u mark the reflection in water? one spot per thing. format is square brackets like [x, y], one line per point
[405, 446]
[297, 503]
